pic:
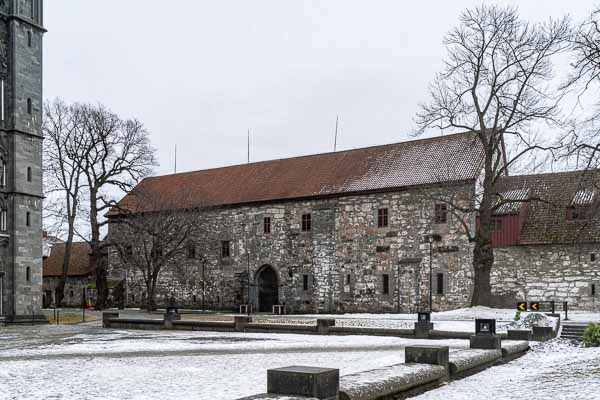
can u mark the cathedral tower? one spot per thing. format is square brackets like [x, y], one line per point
[21, 34]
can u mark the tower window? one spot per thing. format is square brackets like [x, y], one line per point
[191, 250]
[3, 220]
[305, 282]
[348, 279]
[441, 213]
[306, 222]
[593, 289]
[29, 106]
[593, 257]
[382, 218]
[2, 173]
[29, 39]
[28, 219]
[225, 249]
[29, 174]
[28, 274]
[386, 284]
[267, 225]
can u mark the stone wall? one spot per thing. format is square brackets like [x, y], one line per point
[74, 287]
[343, 257]
[549, 272]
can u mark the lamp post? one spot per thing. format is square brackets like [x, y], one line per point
[433, 237]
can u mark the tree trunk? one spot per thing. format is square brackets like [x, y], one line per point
[150, 293]
[96, 254]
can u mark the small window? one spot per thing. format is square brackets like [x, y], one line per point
[29, 106]
[593, 257]
[577, 213]
[29, 39]
[194, 299]
[348, 279]
[191, 251]
[29, 174]
[306, 222]
[267, 225]
[225, 249]
[28, 274]
[440, 283]
[133, 297]
[593, 289]
[305, 282]
[290, 274]
[386, 284]
[382, 218]
[28, 218]
[441, 213]
[2, 173]
[129, 250]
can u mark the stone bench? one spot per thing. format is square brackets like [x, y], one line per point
[513, 348]
[462, 362]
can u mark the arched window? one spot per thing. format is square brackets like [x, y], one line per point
[2, 173]
[28, 274]
[3, 220]
[29, 174]
[28, 219]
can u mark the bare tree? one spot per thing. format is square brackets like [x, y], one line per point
[65, 149]
[150, 233]
[119, 156]
[496, 82]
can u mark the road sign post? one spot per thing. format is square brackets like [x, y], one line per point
[534, 306]
[522, 306]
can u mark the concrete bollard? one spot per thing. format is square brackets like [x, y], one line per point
[542, 333]
[313, 382]
[485, 336]
[434, 355]
[107, 316]
[422, 329]
[323, 326]
[240, 322]
[519, 334]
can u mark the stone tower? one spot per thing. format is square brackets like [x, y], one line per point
[21, 33]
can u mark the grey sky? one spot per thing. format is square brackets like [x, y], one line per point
[200, 73]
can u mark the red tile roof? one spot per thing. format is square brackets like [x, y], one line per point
[79, 264]
[456, 157]
[546, 221]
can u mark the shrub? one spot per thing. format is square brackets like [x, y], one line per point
[591, 335]
[517, 316]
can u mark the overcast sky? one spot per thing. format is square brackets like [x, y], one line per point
[200, 73]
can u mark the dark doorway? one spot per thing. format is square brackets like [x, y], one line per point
[268, 289]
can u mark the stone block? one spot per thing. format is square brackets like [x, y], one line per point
[422, 329]
[435, 355]
[320, 383]
[323, 325]
[240, 322]
[486, 342]
[519, 334]
[542, 333]
[106, 316]
[485, 326]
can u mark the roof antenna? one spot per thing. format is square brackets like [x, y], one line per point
[336, 133]
[248, 146]
[175, 166]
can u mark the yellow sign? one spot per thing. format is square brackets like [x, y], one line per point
[522, 306]
[534, 306]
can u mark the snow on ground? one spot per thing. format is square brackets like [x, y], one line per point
[552, 370]
[87, 362]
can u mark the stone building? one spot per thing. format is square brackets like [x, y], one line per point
[343, 231]
[21, 34]
[349, 232]
[80, 276]
[547, 246]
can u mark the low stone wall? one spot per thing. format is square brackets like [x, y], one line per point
[464, 362]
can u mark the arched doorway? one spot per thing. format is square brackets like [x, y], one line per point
[268, 289]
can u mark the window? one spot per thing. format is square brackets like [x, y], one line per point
[440, 283]
[194, 299]
[3, 220]
[71, 294]
[267, 225]
[577, 213]
[29, 106]
[593, 289]
[129, 250]
[382, 218]
[225, 249]
[28, 274]
[593, 257]
[191, 250]
[29, 174]
[348, 279]
[386, 284]
[441, 213]
[2, 173]
[28, 218]
[29, 39]
[306, 222]
[305, 282]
